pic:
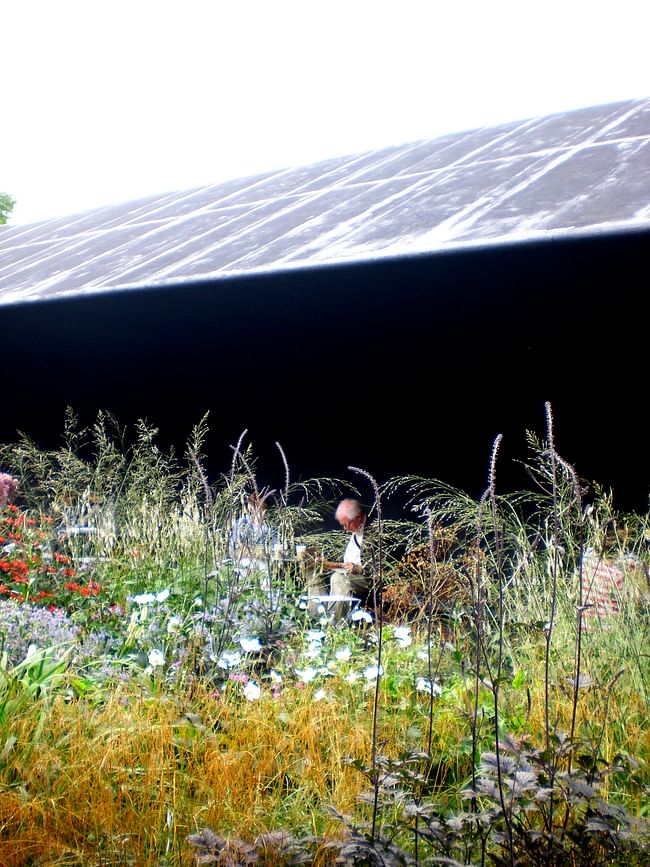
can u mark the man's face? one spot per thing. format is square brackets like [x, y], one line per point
[351, 525]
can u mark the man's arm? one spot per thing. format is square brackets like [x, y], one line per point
[354, 568]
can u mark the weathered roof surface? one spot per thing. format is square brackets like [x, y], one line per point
[576, 172]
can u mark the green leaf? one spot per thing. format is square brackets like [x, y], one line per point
[519, 679]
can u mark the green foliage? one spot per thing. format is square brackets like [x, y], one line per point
[39, 674]
[548, 816]
[6, 207]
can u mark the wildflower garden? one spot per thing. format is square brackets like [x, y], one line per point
[166, 701]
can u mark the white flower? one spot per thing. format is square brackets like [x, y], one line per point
[319, 695]
[402, 634]
[32, 651]
[144, 599]
[275, 676]
[424, 685]
[306, 674]
[361, 614]
[160, 597]
[352, 676]
[252, 690]
[250, 645]
[174, 624]
[229, 659]
[313, 651]
[315, 635]
[156, 658]
[373, 672]
[344, 654]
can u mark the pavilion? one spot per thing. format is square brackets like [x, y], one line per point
[393, 310]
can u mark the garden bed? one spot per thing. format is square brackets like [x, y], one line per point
[163, 702]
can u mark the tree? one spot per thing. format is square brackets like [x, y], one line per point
[6, 207]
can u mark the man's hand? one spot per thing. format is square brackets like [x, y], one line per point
[353, 568]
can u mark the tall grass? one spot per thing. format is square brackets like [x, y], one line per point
[511, 674]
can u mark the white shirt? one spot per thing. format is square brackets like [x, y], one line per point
[353, 550]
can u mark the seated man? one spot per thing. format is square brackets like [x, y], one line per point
[347, 578]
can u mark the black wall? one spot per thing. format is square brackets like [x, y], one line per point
[403, 366]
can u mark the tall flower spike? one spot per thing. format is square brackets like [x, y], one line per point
[493, 464]
[549, 425]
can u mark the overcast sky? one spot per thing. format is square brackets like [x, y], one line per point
[104, 102]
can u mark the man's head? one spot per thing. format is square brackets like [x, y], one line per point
[350, 515]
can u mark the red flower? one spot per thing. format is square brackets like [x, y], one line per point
[92, 589]
[16, 569]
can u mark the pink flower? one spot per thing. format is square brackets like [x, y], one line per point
[8, 488]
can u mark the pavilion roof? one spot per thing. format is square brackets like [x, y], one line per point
[574, 173]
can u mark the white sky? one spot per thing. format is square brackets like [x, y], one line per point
[103, 102]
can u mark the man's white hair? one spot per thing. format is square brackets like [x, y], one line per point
[350, 508]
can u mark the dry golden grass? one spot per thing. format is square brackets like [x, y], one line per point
[128, 780]
[134, 777]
